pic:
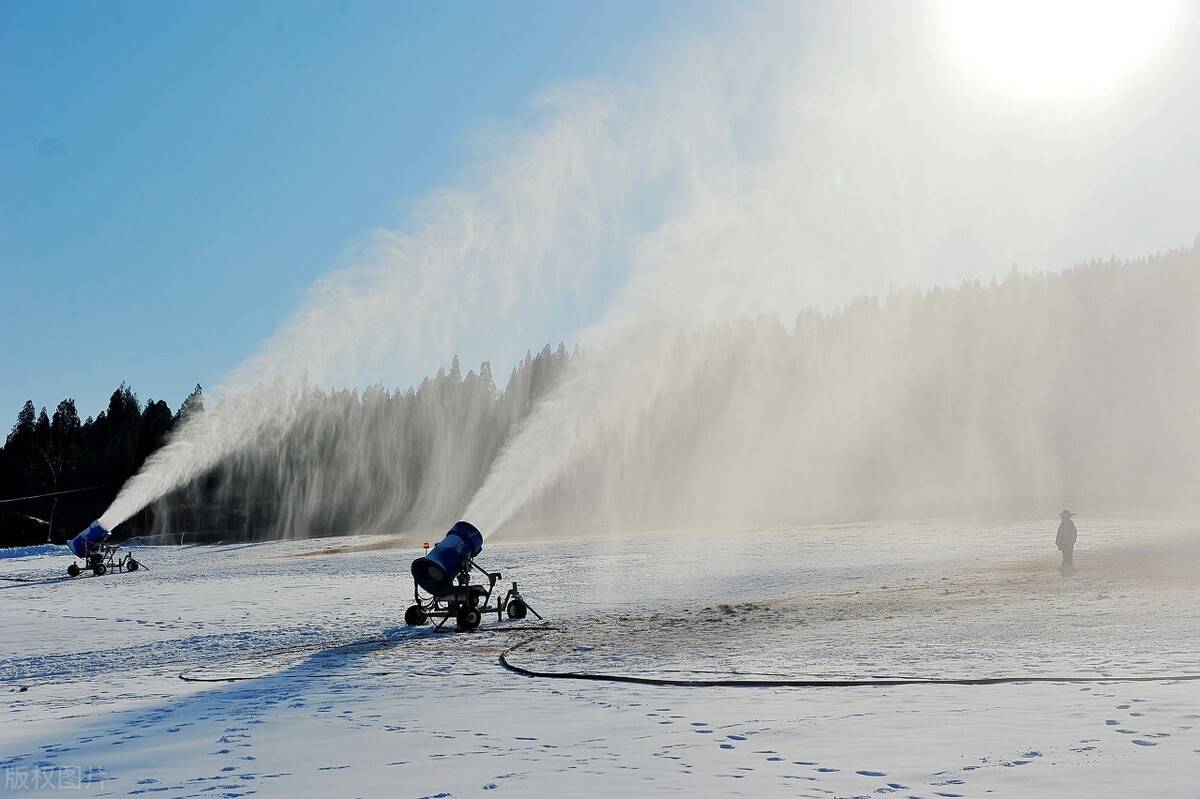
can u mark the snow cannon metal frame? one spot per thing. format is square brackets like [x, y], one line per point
[444, 573]
[99, 557]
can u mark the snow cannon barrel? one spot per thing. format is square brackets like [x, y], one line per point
[437, 571]
[88, 540]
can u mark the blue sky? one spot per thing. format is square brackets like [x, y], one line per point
[175, 174]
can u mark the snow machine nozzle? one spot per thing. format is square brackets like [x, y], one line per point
[437, 571]
[88, 540]
[445, 574]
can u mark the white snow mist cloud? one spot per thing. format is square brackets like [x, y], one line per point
[479, 262]
[803, 156]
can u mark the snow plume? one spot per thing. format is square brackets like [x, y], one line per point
[379, 461]
[1033, 392]
[804, 156]
[871, 169]
[479, 263]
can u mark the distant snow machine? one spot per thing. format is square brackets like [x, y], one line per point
[98, 556]
[445, 574]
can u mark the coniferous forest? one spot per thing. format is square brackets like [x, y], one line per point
[1036, 390]
[53, 453]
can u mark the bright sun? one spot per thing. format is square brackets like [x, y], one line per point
[1056, 47]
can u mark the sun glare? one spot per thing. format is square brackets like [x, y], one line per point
[1057, 47]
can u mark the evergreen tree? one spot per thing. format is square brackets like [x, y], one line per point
[41, 464]
[65, 423]
[22, 431]
[192, 405]
[485, 378]
[18, 452]
[66, 434]
[156, 425]
[124, 424]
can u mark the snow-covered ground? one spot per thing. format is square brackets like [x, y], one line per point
[90, 668]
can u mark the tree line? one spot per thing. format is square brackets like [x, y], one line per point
[989, 398]
[1018, 396]
[1035, 390]
[373, 461]
[55, 453]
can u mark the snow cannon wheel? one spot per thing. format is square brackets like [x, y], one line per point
[73, 570]
[468, 619]
[99, 569]
[131, 565]
[517, 609]
[414, 616]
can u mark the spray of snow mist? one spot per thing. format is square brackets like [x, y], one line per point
[802, 158]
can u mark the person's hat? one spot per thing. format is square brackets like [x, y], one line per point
[1066, 514]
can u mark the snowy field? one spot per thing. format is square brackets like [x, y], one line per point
[95, 705]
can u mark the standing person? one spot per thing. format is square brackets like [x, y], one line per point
[1065, 541]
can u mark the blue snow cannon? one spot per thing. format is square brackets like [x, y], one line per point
[437, 571]
[99, 556]
[445, 574]
[89, 540]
